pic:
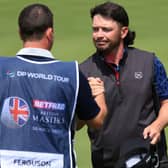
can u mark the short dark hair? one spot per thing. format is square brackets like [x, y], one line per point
[33, 21]
[117, 13]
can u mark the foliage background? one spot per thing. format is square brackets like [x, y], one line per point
[73, 36]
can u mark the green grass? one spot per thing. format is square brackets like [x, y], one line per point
[73, 36]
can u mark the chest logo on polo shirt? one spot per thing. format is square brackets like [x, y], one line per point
[15, 112]
[138, 75]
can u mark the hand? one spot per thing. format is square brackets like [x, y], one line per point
[96, 85]
[153, 132]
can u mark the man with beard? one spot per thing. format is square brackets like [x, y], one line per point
[133, 79]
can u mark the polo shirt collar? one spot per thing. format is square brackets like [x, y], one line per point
[35, 52]
[123, 59]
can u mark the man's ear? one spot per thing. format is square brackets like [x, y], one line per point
[50, 34]
[124, 32]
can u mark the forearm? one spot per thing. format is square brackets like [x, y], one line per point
[154, 129]
[162, 120]
[97, 89]
[98, 120]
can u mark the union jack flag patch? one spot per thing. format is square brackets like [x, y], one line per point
[15, 112]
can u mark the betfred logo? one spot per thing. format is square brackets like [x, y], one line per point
[41, 104]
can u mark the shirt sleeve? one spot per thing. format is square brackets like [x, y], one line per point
[160, 79]
[87, 107]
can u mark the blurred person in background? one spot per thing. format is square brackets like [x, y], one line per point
[136, 92]
[40, 97]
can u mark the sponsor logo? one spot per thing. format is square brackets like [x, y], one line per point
[138, 75]
[15, 112]
[48, 105]
[50, 112]
[43, 76]
[52, 120]
[10, 74]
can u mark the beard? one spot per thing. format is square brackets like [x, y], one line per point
[106, 47]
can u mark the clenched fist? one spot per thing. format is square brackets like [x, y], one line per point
[97, 86]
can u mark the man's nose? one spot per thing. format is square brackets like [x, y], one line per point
[99, 33]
